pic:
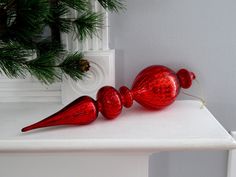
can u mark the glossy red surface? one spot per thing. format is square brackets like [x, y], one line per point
[80, 112]
[109, 102]
[185, 78]
[154, 87]
[126, 97]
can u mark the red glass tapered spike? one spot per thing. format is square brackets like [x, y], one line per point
[154, 87]
[80, 112]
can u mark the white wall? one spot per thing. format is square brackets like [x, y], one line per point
[188, 164]
[197, 34]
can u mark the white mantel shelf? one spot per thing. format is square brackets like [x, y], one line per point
[181, 126]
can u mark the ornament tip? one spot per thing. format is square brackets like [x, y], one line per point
[25, 129]
[28, 128]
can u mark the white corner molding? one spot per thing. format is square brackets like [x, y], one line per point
[101, 73]
[232, 160]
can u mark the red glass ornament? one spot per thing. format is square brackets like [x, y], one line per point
[155, 87]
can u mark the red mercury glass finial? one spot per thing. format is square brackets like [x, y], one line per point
[155, 87]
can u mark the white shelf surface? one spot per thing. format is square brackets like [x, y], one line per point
[181, 126]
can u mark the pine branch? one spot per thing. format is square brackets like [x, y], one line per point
[27, 20]
[44, 68]
[12, 59]
[79, 5]
[15, 63]
[46, 45]
[55, 20]
[112, 5]
[75, 66]
[88, 24]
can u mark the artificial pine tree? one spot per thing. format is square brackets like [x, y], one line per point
[22, 23]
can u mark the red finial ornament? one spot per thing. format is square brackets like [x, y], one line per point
[155, 87]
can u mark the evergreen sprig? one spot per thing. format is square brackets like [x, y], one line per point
[79, 5]
[112, 5]
[22, 23]
[75, 65]
[87, 24]
[26, 20]
[45, 67]
[12, 59]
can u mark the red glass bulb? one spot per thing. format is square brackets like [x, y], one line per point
[155, 87]
[109, 102]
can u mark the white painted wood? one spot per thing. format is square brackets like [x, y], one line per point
[101, 73]
[75, 164]
[28, 90]
[232, 160]
[179, 127]
[99, 42]
[105, 32]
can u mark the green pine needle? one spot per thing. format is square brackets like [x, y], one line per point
[28, 20]
[12, 59]
[15, 63]
[46, 45]
[56, 17]
[75, 66]
[79, 5]
[112, 5]
[44, 68]
[88, 24]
